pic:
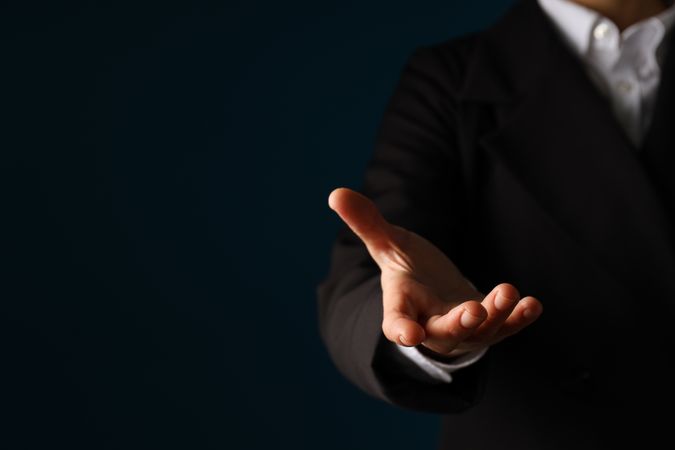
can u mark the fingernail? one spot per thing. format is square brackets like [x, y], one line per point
[402, 340]
[528, 313]
[502, 302]
[468, 320]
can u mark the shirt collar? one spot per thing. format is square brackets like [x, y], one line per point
[576, 22]
[667, 17]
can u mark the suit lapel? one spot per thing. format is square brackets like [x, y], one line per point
[557, 135]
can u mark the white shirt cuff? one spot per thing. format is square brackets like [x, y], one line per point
[437, 369]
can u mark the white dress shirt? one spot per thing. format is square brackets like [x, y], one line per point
[624, 65]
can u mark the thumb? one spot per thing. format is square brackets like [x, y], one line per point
[363, 218]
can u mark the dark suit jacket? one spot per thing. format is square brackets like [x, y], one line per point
[498, 148]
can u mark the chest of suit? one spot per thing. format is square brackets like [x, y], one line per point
[565, 207]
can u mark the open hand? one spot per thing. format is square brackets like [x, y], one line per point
[426, 299]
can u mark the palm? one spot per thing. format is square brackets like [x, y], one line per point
[419, 259]
[426, 299]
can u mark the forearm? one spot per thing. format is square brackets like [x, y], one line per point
[350, 318]
[413, 179]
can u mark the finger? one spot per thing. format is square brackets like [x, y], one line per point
[499, 304]
[446, 332]
[400, 311]
[525, 313]
[363, 218]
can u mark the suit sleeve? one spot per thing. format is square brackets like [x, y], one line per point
[414, 177]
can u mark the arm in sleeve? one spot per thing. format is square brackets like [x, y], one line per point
[414, 178]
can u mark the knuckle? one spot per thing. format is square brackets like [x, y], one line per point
[456, 334]
[475, 308]
[509, 289]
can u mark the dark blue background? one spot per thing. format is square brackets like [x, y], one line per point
[164, 175]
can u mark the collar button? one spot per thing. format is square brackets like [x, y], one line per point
[601, 31]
